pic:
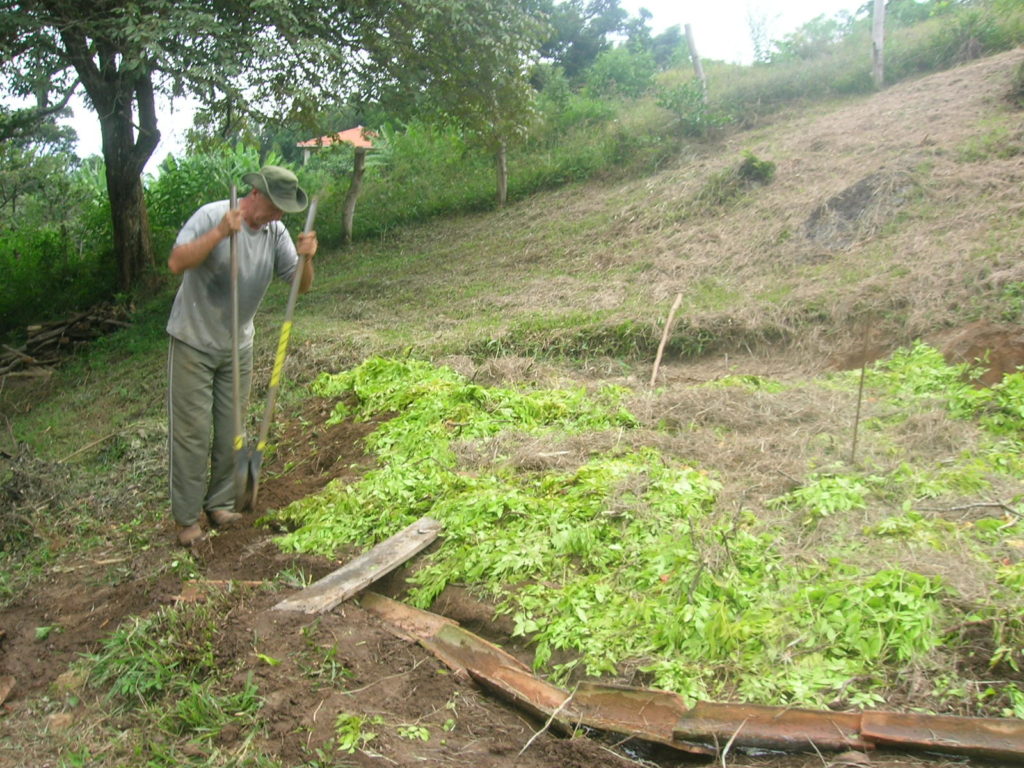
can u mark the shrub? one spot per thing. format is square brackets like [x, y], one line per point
[689, 106]
[754, 170]
[621, 71]
[183, 185]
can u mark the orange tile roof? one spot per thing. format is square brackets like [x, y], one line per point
[357, 136]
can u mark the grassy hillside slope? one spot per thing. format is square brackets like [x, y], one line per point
[899, 210]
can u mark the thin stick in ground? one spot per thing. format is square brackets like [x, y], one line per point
[664, 336]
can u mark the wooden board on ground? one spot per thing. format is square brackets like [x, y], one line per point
[644, 714]
[354, 576]
[7, 683]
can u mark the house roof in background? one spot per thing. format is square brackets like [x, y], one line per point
[357, 136]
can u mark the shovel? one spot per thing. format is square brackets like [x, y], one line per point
[253, 457]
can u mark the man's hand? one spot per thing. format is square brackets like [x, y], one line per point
[306, 245]
[192, 254]
[232, 222]
[306, 248]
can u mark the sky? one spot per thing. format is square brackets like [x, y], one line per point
[721, 30]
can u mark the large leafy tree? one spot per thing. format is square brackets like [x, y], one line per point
[485, 91]
[270, 58]
[35, 153]
[580, 31]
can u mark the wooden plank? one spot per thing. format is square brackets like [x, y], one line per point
[990, 738]
[758, 726]
[644, 714]
[405, 621]
[7, 683]
[358, 574]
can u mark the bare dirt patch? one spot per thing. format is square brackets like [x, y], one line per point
[995, 348]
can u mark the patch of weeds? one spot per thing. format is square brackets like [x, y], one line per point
[201, 712]
[995, 530]
[725, 187]
[184, 567]
[992, 642]
[907, 484]
[413, 732]
[20, 569]
[353, 732]
[574, 337]
[1005, 457]
[152, 656]
[320, 662]
[826, 495]
[27, 484]
[78, 758]
[629, 539]
[999, 142]
[1016, 95]
[1013, 297]
[916, 527]
[563, 338]
[889, 615]
[1015, 695]
[294, 577]
[754, 170]
[920, 372]
[777, 294]
[173, 691]
[44, 632]
[999, 408]
[326, 757]
[917, 371]
[710, 294]
[1011, 575]
[749, 382]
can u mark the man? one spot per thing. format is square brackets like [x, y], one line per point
[200, 357]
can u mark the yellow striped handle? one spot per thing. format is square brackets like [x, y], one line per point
[282, 347]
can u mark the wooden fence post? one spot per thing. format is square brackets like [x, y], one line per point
[697, 68]
[878, 43]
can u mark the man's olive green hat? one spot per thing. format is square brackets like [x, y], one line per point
[280, 185]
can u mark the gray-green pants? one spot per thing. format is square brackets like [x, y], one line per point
[200, 400]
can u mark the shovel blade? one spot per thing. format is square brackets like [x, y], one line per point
[255, 465]
[243, 481]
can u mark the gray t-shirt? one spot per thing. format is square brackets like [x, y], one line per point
[201, 315]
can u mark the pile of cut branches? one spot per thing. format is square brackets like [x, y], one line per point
[46, 344]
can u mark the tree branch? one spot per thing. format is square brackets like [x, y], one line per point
[21, 122]
[149, 134]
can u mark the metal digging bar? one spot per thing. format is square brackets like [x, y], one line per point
[241, 469]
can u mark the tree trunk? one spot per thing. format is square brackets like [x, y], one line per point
[878, 43]
[135, 260]
[354, 188]
[118, 97]
[127, 203]
[698, 68]
[501, 168]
